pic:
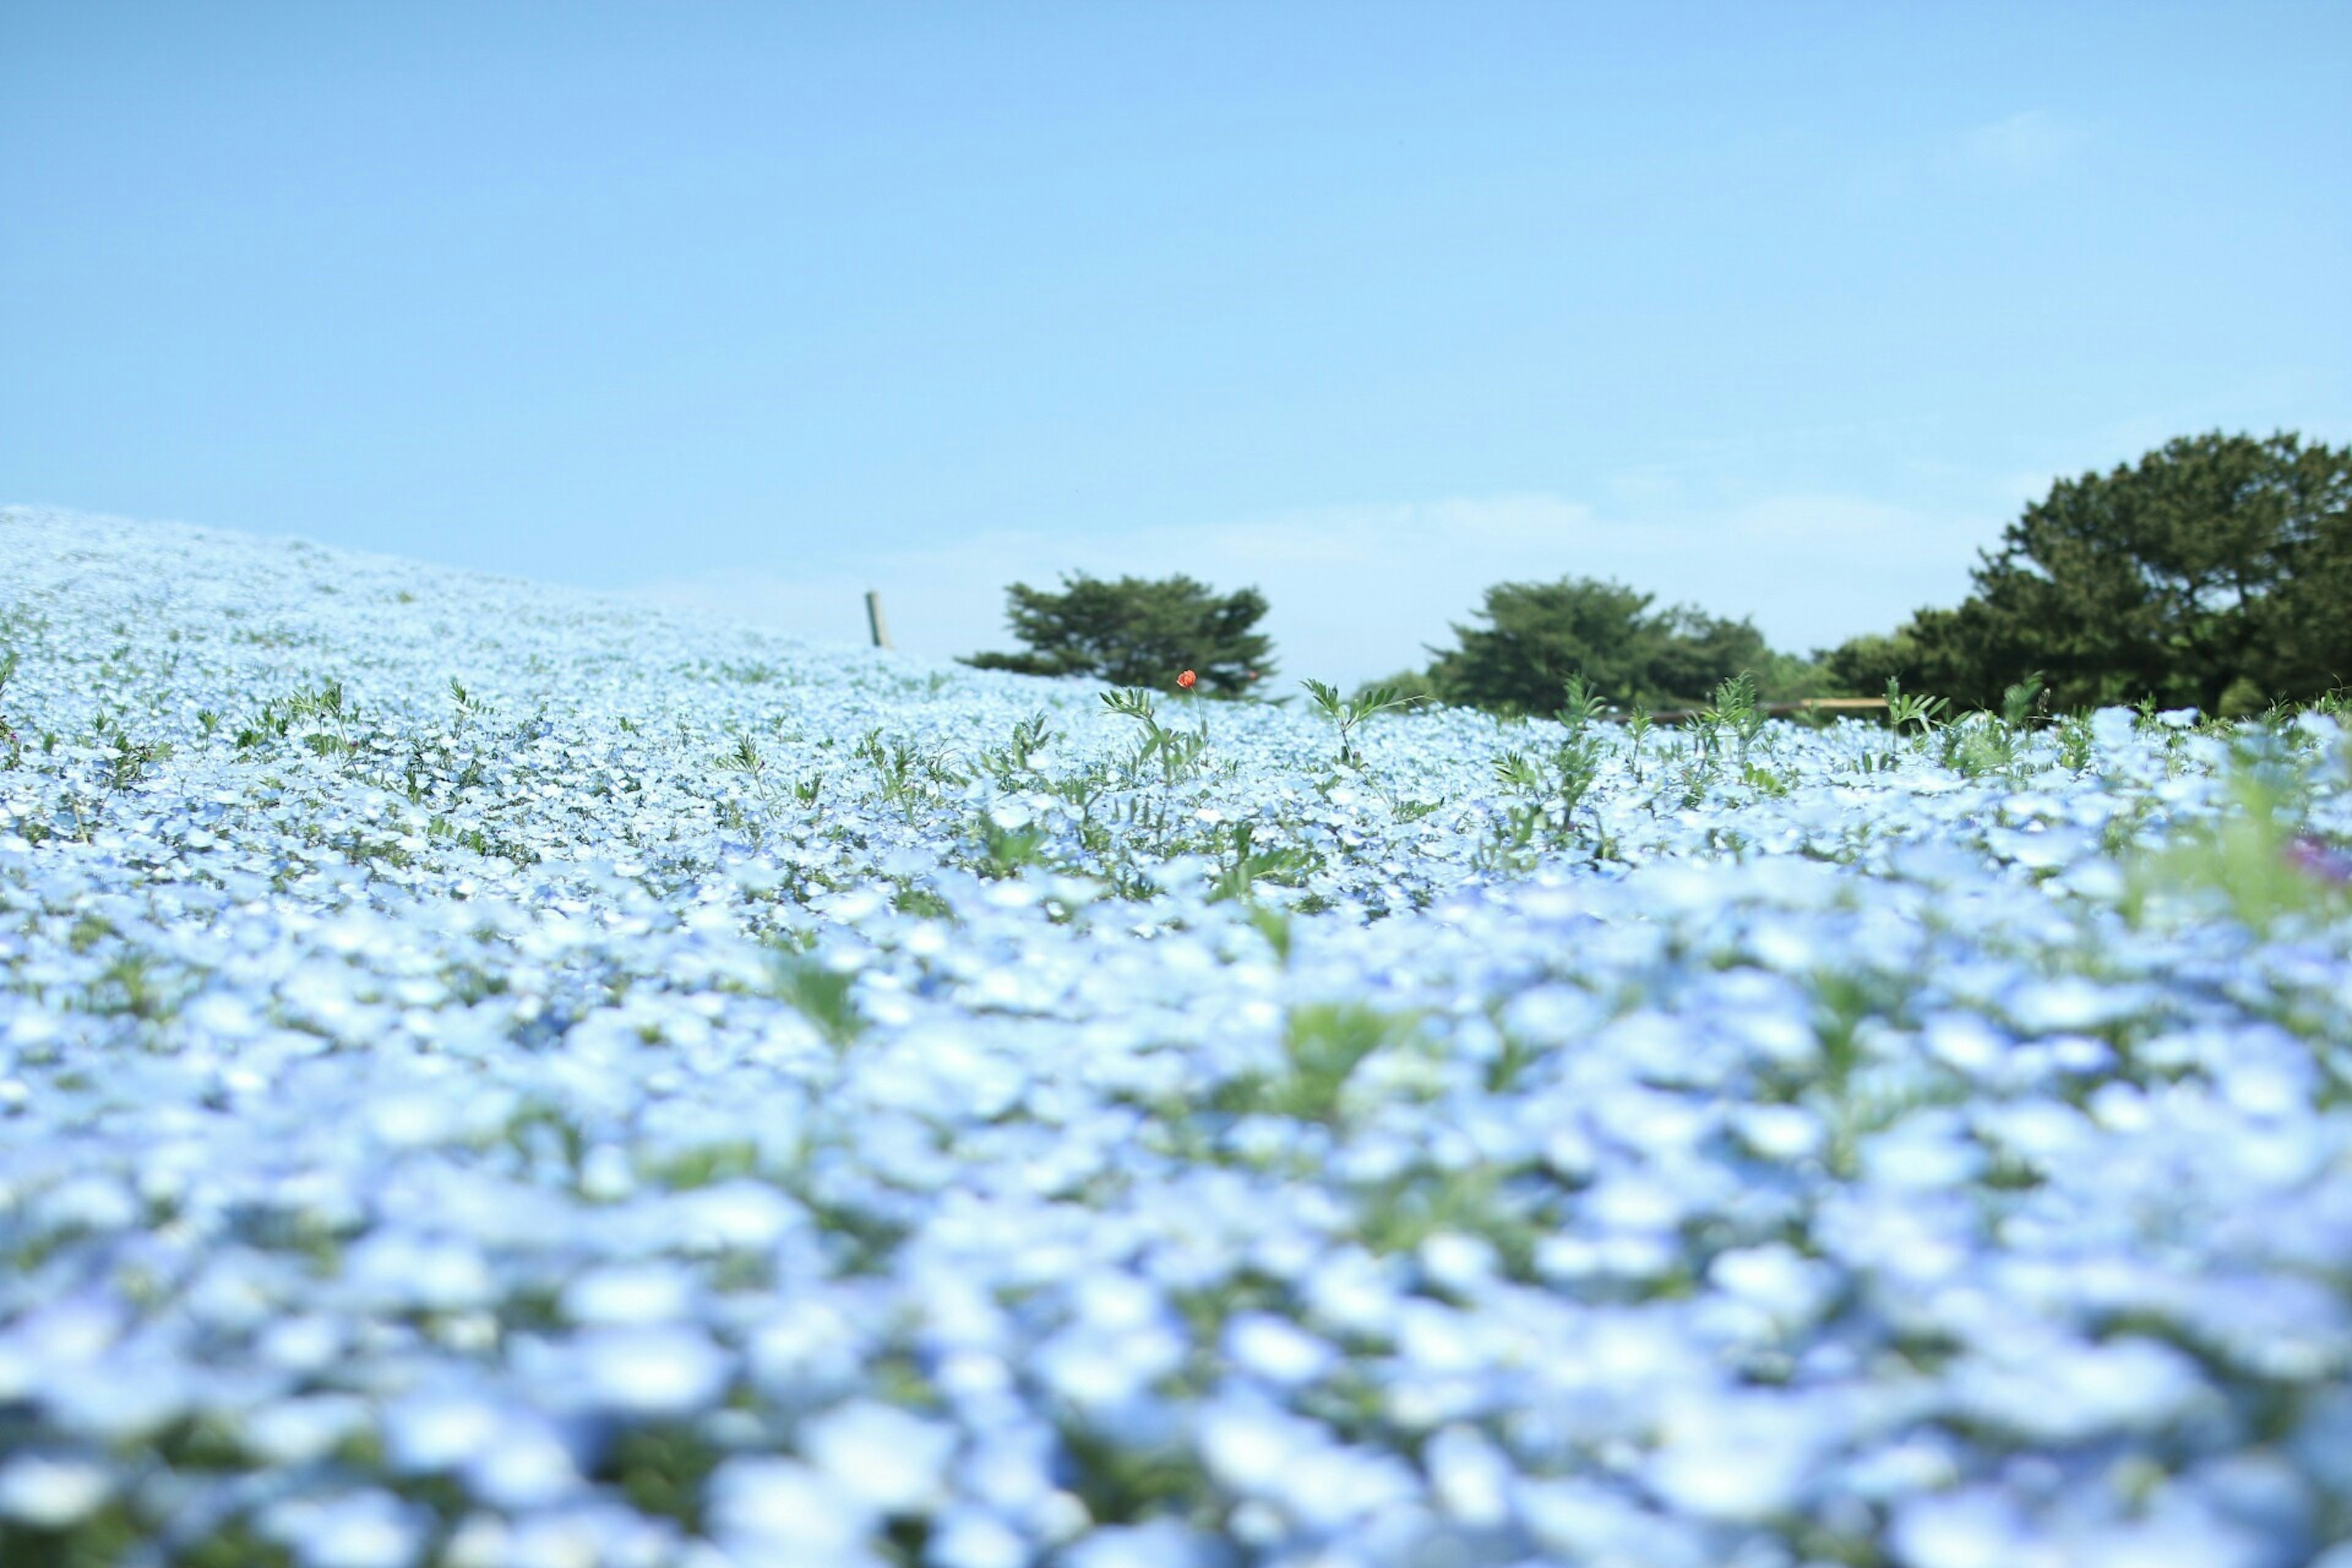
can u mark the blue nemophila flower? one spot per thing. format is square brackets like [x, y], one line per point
[52, 1491]
[532, 1078]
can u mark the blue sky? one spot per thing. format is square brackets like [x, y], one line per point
[1783, 310]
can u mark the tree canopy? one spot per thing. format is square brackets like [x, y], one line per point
[2212, 573]
[1538, 634]
[1138, 632]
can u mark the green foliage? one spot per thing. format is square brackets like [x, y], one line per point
[1006, 851]
[1125, 1484]
[904, 776]
[1979, 743]
[2212, 573]
[1539, 635]
[1413, 685]
[1579, 705]
[1868, 662]
[1275, 926]
[1242, 863]
[1399, 1215]
[128, 761]
[1735, 707]
[116, 1533]
[2019, 702]
[1915, 707]
[1322, 1046]
[320, 718]
[706, 1164]
[1013, 765]
[1347, 712]
[1138, 632]
[2252, 863]
[661, 1468]
[745, 759]
[1542, 794]
[1178, 752]
[7, 735]
[822, 994]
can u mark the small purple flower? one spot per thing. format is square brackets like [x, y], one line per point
[2324, 861]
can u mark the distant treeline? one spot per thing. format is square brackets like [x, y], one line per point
[2216, 573]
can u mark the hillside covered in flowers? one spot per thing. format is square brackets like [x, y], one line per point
[499, 1076]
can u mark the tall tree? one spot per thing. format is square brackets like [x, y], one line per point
[1138, 632]
[1538, 634]
[2212, 573]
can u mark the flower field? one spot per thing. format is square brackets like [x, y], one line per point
[498, 1077]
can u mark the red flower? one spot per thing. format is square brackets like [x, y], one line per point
[1184, 681]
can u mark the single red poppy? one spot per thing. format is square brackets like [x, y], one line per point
[1184, 681]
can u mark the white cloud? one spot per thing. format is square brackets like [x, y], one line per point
[1355, 592]
[2031, 142]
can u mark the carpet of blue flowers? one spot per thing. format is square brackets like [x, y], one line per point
[497, 1077]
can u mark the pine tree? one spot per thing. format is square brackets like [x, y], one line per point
[2212, 573]
[1537, 635]
[1138, 632]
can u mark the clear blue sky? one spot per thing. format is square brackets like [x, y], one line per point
[1782, 310]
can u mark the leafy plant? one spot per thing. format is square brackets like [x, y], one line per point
[1018, 758]
[905, 774]
[1580, 704]
[128, 761]
[1980, 743]
[1637, 729]
[1347, 712]
[1178, 752]
[1243, 864]
[1007, 849]
[2255, 862]
[8, 733]
[1323, 1044]
[821, 993]
[745, 759]
[1549, 791]
[1414, 684]
[2075, 743]
[319, 717]
[1903, 709]
[2018, 701]
[1735, 707]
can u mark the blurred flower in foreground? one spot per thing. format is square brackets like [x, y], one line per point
[2324, 861]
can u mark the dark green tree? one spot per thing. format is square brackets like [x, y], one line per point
[1538, 634]
[2212, 573]
[1697, 652]
[1138, 632]
[1928, 653]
